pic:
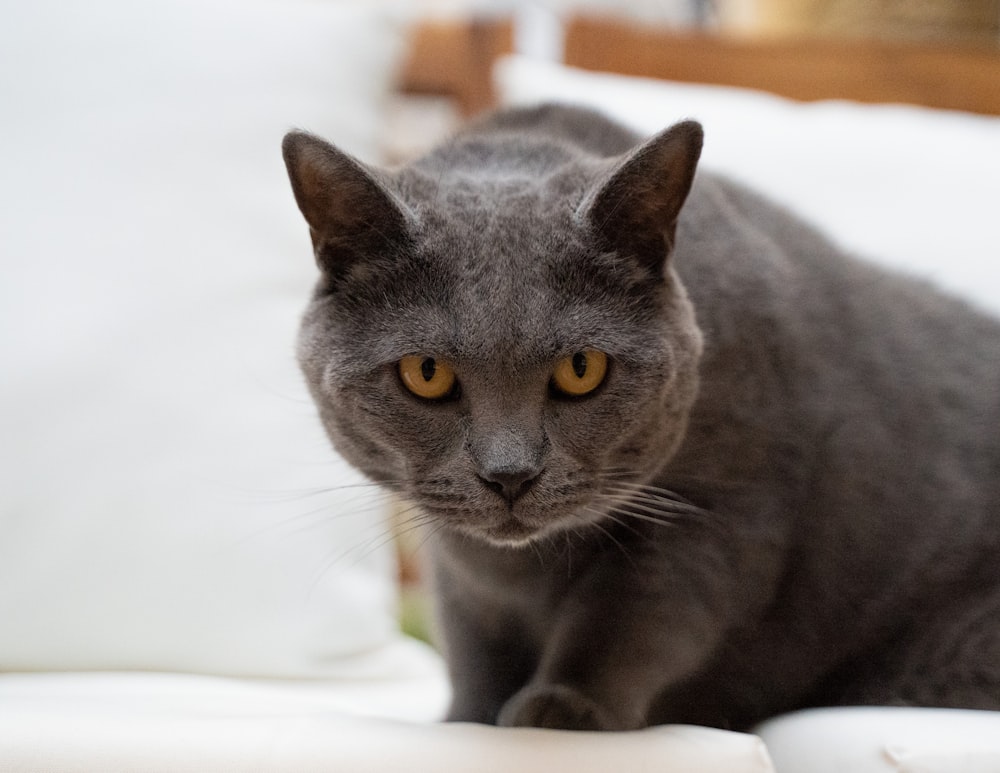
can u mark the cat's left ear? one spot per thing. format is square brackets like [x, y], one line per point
[353, 216]
[635, 208]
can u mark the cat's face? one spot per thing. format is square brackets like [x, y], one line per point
[489, 357]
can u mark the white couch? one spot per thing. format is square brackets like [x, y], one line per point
[189, 578]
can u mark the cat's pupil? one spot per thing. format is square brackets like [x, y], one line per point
[428, 368]
[579, 364]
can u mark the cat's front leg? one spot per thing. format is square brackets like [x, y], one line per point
[558, 706]
[489, 653]
[485, 671]
[625, 632]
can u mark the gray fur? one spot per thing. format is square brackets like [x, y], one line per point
[785, 493]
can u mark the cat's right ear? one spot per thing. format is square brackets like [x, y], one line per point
[352, 215]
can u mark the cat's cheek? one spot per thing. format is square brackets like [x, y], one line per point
[586, 428]
[367, 428]
[416, 430]
[359, 440]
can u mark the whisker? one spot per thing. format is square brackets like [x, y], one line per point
[360, 551]
[538, 553]
[413, 523]
[630, 509]
[429, 533]
[293, 495]
[657, 496]
[658, 490]
[643, 517]
[613, 515]
[316, 517]
[656, 508]
[600, 527]
[618, 473]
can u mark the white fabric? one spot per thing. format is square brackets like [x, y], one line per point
[168, 500]
[912, 188]
[872, 740]
[174, 724]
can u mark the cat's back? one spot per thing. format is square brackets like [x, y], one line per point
[748, 261]
[533, 140]
[880, 393]
[585, 130]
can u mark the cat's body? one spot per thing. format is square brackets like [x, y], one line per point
[790, 498]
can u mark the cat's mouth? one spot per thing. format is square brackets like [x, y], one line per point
[544, 510]
[520, 526]
[502, 526]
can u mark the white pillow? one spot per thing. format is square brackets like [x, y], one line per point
[168, 500]
[913, 188]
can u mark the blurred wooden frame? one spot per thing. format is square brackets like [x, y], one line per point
[455, 59]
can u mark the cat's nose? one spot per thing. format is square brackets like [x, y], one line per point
[510, 484]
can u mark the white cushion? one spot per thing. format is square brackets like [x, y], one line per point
[913, 188]
[178, 723]
[872, 740]
[168, 500]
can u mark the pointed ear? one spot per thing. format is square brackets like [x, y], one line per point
[635, 209]
[352, 216]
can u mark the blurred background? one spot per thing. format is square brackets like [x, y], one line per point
[456, 42]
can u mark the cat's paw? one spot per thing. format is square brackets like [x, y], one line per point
[553, 706]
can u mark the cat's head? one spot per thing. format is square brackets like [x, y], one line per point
[504, 342]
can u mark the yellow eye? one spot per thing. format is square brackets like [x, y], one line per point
[426, 377]
[580, 374]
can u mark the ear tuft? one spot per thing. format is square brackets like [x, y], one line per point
[352, 215]
[635, 209]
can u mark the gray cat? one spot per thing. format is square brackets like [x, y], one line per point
[680, 465]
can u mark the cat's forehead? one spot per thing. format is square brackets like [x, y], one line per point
[501, 223]
[501, 229]
[514, 327]
[464, 198]
[495, 239]
[505, 297]
[502, 269]
[522, 284]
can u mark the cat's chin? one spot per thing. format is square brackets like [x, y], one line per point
[514, 532]
[508, 532]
